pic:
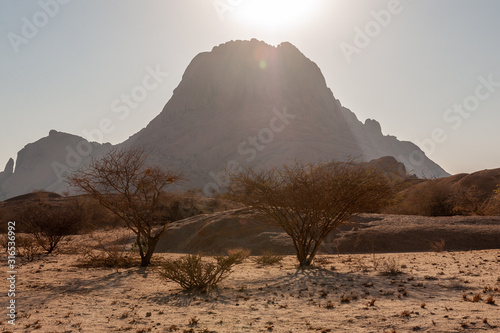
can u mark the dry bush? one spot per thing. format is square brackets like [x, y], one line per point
[492, 205]
[390, 267]
[309, 201]
[440, 198]
[26, 246]
[269, 258]
[467, 201]
[49, 224]
[192, 273]
[432, 198]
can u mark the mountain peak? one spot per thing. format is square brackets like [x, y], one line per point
[9, 167]
[250, 103]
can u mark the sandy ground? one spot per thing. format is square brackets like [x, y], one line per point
[343, 293]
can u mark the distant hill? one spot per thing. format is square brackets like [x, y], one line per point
[42, 165]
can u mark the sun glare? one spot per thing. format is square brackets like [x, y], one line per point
[274, 13]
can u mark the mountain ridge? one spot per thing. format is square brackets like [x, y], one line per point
[244, 103]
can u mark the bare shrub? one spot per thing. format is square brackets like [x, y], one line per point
[269, 258]
[308, 201]
[467, 200]
[50, 224]
[432, 198]
[123, 184]
[390, 267]
[26, 246]
[364, 266]
[192, 273]
[439, 197]
[492, 205]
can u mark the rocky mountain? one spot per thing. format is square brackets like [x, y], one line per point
[42, 165]
[245, 103]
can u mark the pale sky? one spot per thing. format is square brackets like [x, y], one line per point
[428, 71]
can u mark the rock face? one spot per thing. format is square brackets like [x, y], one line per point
[218, 232]
[247, 103]
[367, 233]
[44, 164]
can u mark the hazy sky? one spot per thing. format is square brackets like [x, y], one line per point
[428, 71]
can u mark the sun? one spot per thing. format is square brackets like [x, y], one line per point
[274, 13]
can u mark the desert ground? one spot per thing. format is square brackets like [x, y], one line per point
[448, 291]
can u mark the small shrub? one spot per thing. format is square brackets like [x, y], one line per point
[490, 300]
[390, 267]
[269, 258]
[430, 198]
[26, 246]
[193, 274]
[50, 224]
[361, 265]
[476, 298]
